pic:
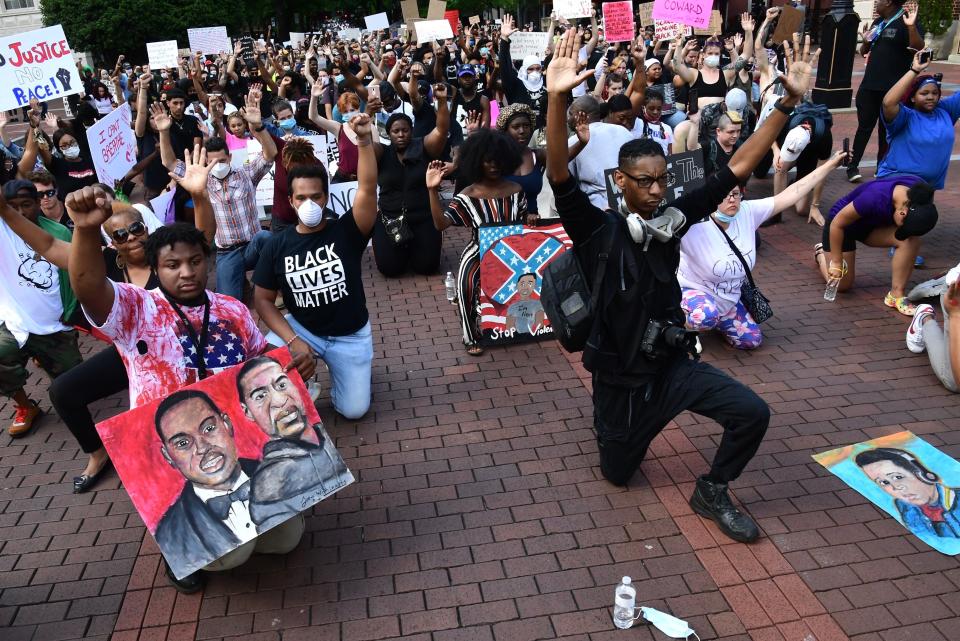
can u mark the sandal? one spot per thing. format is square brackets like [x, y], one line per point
[817, 253]
[474, 350]
[901, 304]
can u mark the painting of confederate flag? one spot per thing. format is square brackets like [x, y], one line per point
[512, 260]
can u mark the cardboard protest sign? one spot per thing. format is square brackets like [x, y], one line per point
[618, 21]
[410, 10]
[665, 31]
[789, 22]
[907, 478]
[715, 26]
[38, 64]
[474, 20]
[573, 8]
[211, 40]
[695, 13]
[163, 55]
[436, 9]
[527, 43]
[428, 30]
[351, 33]
[687, 169]
[113, 146]
[220, 462]
[377, 21]
[512, 259]
[645, 14]
[453, 17]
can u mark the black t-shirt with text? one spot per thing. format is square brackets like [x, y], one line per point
[318, 275]
[890, 56]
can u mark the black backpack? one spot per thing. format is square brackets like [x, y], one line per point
[568, 301]
[819, 115]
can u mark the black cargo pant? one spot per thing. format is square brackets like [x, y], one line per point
[628, 418]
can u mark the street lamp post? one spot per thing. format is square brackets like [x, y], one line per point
[838, 46]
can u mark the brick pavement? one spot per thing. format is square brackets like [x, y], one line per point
[479, 512]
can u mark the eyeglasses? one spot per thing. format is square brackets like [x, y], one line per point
[50, 193]
[736, 195]
[123, 234]
[645, 182]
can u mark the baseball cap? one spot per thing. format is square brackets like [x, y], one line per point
[649, 62]
[466, 70]
[797, 140]
[20, 188]
[919, 220]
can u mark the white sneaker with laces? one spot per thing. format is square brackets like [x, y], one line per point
[915, 331]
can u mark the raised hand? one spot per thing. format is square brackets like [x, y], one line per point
[799, 66]
[4, 120]
[434, 174]
[160, 117]
[773, 12]
[316, 90]
[251, 110]
[910, 12]
[738, 41]
[89, 207]
[639, 50]
[507, 26]
[919, 64]
[440, 92]
[362, 125]
[197, 170]
[563, 71]
[747, 23]
[473, 121]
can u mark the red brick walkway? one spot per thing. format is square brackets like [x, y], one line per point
[479, 512]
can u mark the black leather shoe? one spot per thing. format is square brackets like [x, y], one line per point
[711, 500]
[84, 482]
[188, 584]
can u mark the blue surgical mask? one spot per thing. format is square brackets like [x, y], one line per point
[287, 123]
[484, 51]
[723, 218]
[347, 116]
[339, 78]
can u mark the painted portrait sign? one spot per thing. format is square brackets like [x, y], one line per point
[907, 478]
[218, 463]
[512, 259]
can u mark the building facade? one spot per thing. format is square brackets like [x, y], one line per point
[17, 16]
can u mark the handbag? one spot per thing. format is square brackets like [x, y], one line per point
[398, 230]
[750, 295]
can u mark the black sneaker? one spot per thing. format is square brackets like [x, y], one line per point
[853, 174]
[188, 584]
[711, 500]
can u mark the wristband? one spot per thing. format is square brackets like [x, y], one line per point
[295, 337]
[915, 71]
[787, 111]
[260, 128]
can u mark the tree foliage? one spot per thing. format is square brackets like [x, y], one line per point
[936, 16]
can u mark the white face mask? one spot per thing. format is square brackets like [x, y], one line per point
[220, 170]
[534, 76]
[669, 625]
[310, 213]
[712, 61]
[72, 152]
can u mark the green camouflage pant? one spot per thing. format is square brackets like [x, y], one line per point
[56, 353]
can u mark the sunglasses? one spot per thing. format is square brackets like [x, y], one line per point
[50, 193]
[123, 234]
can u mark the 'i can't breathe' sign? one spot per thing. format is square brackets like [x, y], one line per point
[36, 64]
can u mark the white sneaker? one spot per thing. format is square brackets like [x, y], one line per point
[915, 331]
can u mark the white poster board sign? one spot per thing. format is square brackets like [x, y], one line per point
[162, 55]
[319, 147]
[428, 30]
[350, 34]
[377, 21]
[162, 206]
[38, 64]
[297, 38]
[341, 197]
[526, 43]
[669, 30]
[113, 146]
[572, 9]
[210, 40]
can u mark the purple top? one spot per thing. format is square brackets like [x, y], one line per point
[873, 202]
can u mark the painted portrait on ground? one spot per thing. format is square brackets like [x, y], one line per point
[909, 479]
[217, 463]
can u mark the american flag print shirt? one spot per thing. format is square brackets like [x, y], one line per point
[156, 347]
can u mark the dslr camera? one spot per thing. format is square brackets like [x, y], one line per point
[660, 338]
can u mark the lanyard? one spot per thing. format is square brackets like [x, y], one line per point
[198, 343]
[884, 24]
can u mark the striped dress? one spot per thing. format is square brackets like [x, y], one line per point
[467, 211]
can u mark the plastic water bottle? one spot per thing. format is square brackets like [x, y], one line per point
[451, 286]
[830, 293]
[624, 604]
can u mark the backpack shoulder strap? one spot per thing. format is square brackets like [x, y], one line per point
[608, 232]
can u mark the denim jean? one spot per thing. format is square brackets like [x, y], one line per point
[675, 118]
[232, 265]
[349, 359]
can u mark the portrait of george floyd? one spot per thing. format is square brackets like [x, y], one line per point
[217, 463]
[909, 479]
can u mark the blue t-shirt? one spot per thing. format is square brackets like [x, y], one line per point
[873, 202]
[921, 143]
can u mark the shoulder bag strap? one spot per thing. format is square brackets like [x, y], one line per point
[610, 230]
[736, 251]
